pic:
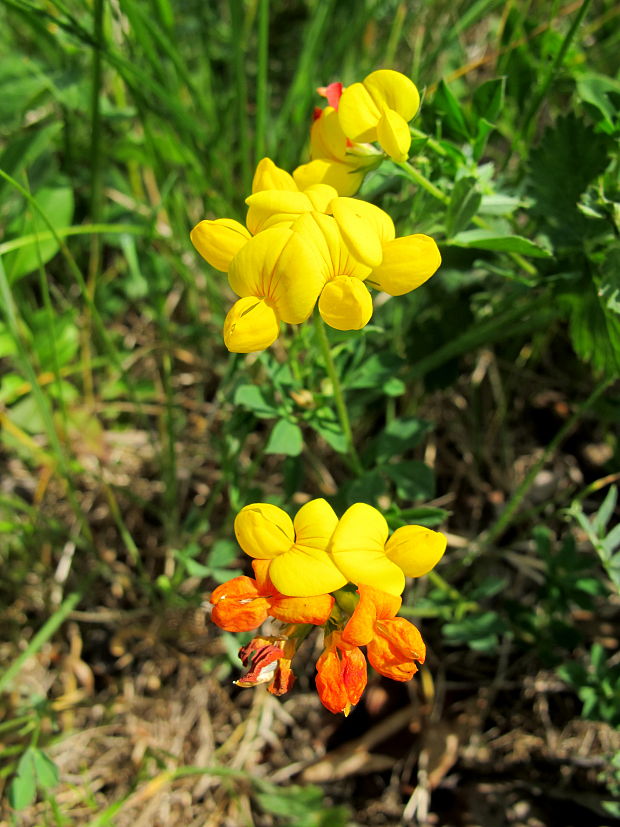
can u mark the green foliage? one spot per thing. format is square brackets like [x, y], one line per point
[605, 540]
[133, 438]
[597, 685]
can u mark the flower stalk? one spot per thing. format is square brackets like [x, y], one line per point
[341, 406]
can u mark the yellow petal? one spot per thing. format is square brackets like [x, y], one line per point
[358, 114]
[314, 524]
[251, 324]
[407, 263]
[251, 271]
[335, 259]
[268, 176]
[327, 140]
[297, 279]
[416, 549]
[360, 233]
[264, 530]
[274, 206]
[358, 549]
[321, 196]
[345, 303]
[393, 135]
[219, 241]
[304, 571]
[393, 90]
[343, 178]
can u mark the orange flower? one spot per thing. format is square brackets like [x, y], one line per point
[269, 661]
[341, 674]
[243, 603]
[393, 645]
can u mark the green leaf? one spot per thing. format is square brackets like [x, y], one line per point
[414, 480]
[603, 515]
[46, 770]
[57, 205]
[488, 99]
[23, 787]
[285, 438]
[595, 332]
[490, 240]
[375, 371]
[398, 436]
[330, 430]
[448, 106]
[597, 90]
[570, 155]
[463, 206]
[366, 488]
[253, 399]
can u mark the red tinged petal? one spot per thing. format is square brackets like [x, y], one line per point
[313, 610]
[262, 656]
[396, 648]
[333, 93]
[269, 661]
[373, 605]
[341, 676]
[238, 605]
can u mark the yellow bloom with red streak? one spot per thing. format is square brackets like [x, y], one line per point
[336, 160]
[379, 109]
[393, 645]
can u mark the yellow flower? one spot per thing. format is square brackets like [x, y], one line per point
[300, 564]
[317, 553]
[277, 275]
[345, 302]
[406, 263]
[361, 550]
[336, 160]
[218, 241]
[379, 109]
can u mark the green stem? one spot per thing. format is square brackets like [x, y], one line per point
[261, 79]
[423, 182]
[559, 59]
[43, 635]
[508, 514]
[341, 406]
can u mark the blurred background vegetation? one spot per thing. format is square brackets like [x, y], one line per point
[484, 404]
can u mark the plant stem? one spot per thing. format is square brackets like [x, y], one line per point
[559, 59]
[423, 182]
[261, 79]
[341, 406]
[495, 531]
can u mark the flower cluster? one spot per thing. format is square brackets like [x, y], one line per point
[345, 575]
[306, 240]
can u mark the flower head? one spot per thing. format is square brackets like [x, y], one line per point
[299, 563]
[378, 109]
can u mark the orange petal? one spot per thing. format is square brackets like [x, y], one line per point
[314, 610]
[341, 676]
[395, 648]
[238, 606]
[373, 604]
